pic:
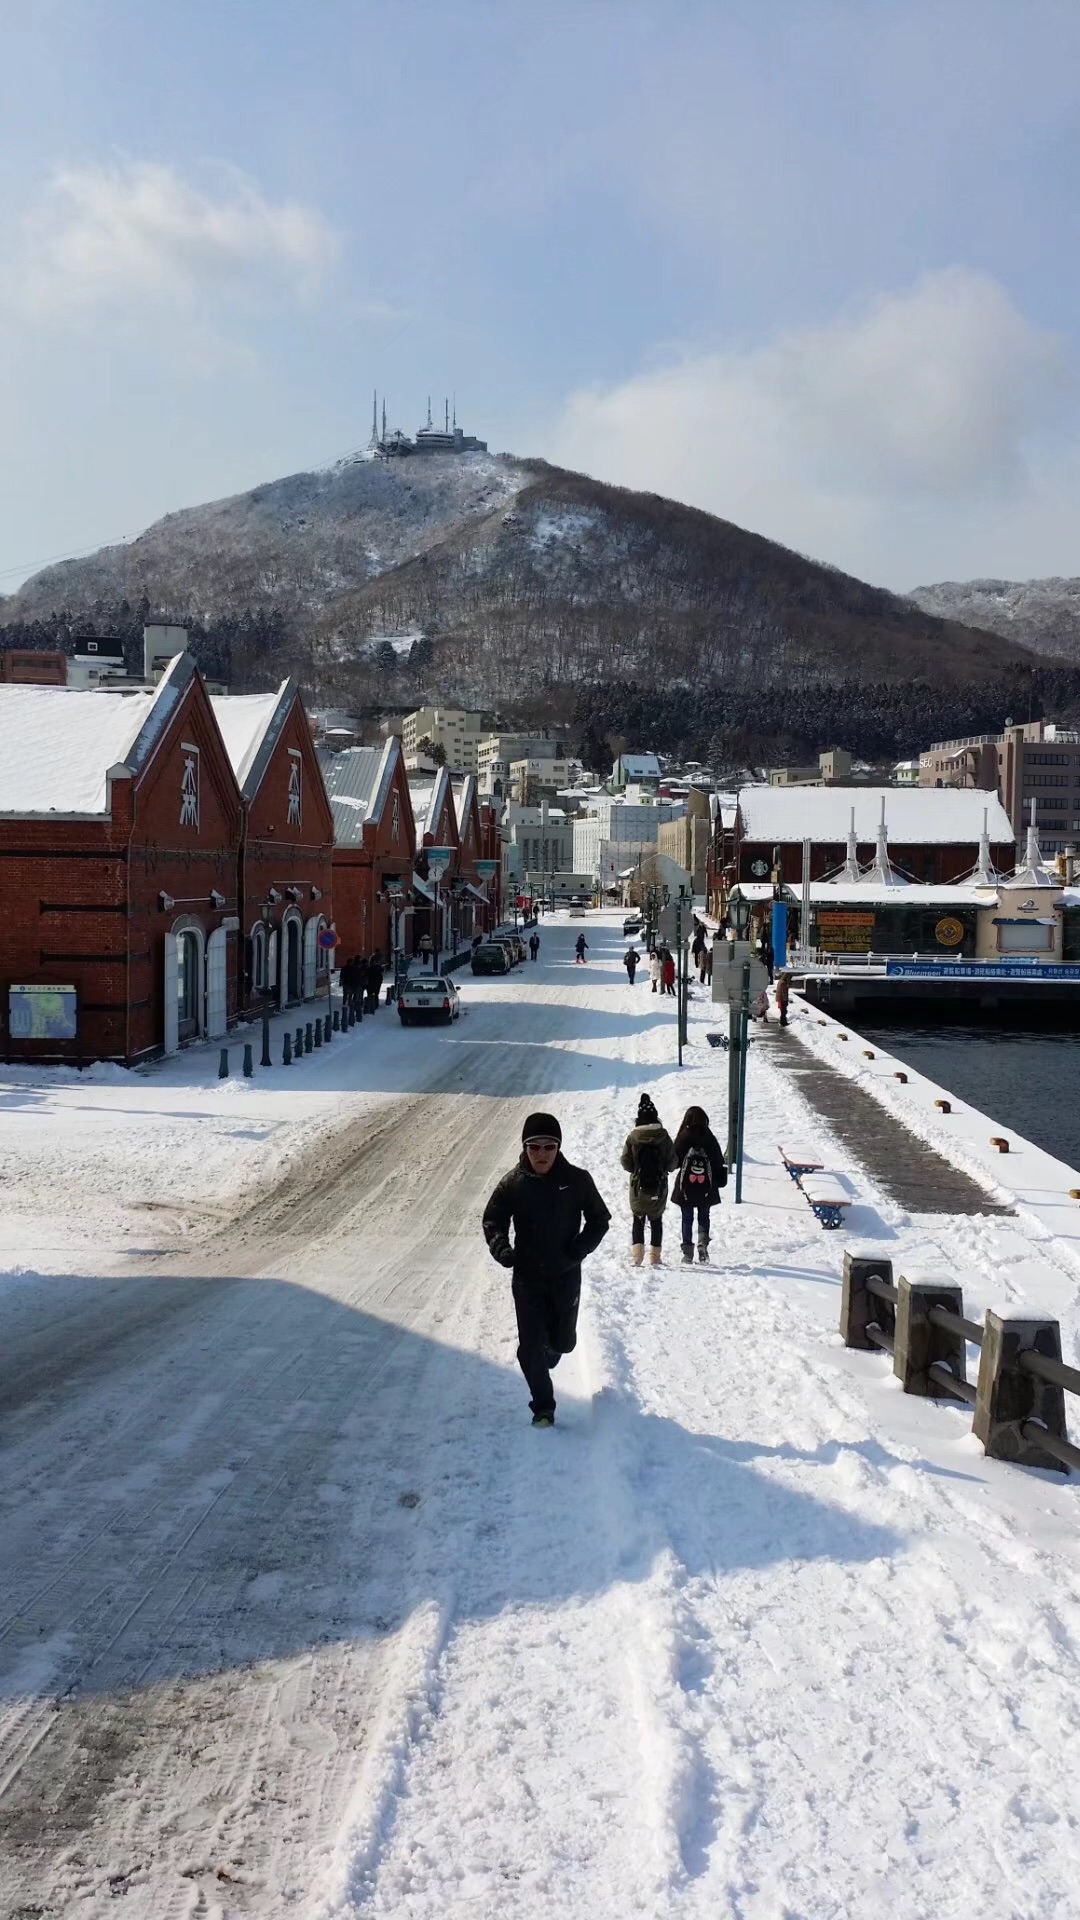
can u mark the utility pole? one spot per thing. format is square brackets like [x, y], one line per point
[738, 1045]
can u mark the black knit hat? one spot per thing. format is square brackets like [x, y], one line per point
[647, 1115]
[541, 1126]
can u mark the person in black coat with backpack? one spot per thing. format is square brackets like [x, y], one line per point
[702, 1173]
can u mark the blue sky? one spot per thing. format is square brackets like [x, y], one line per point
[812, 265]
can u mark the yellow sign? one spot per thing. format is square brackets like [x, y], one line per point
[948, 932]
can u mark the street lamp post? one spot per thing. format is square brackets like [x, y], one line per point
[266, 913]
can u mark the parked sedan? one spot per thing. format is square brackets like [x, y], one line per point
[632, 923]
[492, 957]
[428, 996]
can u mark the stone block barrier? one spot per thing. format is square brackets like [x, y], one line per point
[918, 1319]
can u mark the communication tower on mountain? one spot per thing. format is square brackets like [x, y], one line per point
[449, 438]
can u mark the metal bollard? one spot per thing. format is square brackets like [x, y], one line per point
[318, 1033]
[223, 1064]
[249, 1061]
[298, 1044]
[266, 1061]
[327, 1030]
[337, 1020]
[307, 1037]
[286, 1051]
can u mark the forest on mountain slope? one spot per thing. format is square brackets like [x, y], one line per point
[542, 596]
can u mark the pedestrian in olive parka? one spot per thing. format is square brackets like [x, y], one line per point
[557, 1218]
[648, 1157]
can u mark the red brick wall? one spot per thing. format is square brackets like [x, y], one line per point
[185, 862]
[278, 854]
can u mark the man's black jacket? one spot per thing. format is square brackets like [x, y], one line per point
[558, 1218]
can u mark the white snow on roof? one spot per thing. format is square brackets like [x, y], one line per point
[243, 719]
[870, 893]
[56, 745]
[914, 816]
[420, 793]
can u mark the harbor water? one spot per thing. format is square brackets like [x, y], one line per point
[1027, 1081]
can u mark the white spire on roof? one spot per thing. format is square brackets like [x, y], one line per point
[851, 864]
[1034, 872]
[882, 870]
[985, 874]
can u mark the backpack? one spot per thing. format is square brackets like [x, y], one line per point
[697, 1180]
[648, 1171]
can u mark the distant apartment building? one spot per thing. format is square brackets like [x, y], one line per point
[538, 776]
[537, 843]
[834, 765]
[618, 824]
[497, 752]
[1034, 761]
[453, 729]
[687, 841]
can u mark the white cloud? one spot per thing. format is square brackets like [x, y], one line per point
[909, 440]
[139, 231]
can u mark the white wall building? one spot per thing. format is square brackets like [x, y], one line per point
[452, 728]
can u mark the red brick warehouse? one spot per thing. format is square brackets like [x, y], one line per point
[374, 848]
[120, 825]
[285, 868]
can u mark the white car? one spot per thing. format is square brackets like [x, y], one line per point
[428, 996]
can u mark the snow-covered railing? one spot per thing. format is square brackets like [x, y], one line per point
[1019, 1398]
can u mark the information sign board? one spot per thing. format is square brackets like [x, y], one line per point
[729, 957]
[42, 1013]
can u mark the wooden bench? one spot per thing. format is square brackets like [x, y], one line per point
[826, 1196]
[801, 1159]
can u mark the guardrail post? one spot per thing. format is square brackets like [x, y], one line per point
[918, 1342]
[1007, 1396]
[857, 1307]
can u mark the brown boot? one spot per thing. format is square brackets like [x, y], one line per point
[654, 1256]
[637, 1255]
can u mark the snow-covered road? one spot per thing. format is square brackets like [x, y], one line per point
[298, 1615]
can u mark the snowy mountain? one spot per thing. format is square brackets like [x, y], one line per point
[1043, 615]
[523, 576]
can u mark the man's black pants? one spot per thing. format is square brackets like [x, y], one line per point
[547, 1311]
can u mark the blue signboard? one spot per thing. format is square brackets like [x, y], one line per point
[978, 970]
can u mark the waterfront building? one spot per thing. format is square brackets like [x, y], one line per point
[934, 835]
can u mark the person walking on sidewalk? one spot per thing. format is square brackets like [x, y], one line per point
[581, 947]
[783, 995]
[655, 968]
[557, 1218]
[648, 1156]
[667, 963]
[630, 962]
[702, 1173]
[534, 944]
